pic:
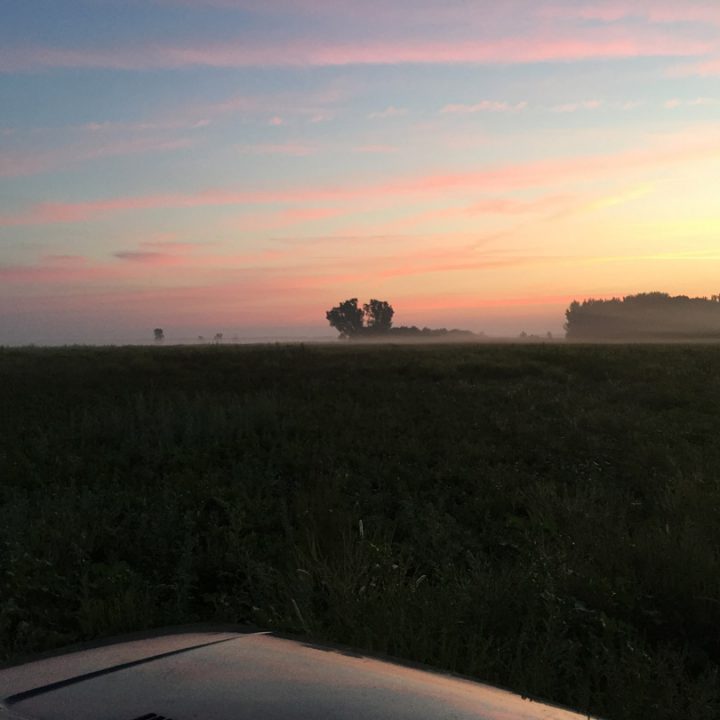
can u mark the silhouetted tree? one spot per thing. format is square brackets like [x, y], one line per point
[346, 318]
[378, 315]
[158, 334]
[218, 338]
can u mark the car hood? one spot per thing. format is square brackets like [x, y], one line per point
[232, 675]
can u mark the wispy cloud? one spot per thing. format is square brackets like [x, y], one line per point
[699, 145]
[274, 107]
[631, 104]
[653, 11]
[620, 198]
[696, 102]
[376, 149]
[148, 257]
[288, 269]
[290, 149]
[176, 246]
[575, 106]
[52, 273]
[550, 207]
[485, 106]
[513, 206]
[321, 117]
[306, 214]
[29, 161]
[106, 126]
[388, 112]
[439, 14]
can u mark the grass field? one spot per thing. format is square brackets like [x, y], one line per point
[545, 517]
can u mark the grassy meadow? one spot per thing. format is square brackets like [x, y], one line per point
[545, 517]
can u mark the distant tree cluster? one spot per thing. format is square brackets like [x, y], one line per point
[374, 319]
[437, 333]
[646, 316]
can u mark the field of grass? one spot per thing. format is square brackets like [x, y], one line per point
[545, 517]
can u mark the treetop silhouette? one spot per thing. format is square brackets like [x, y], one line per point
[350, 320]
[347, 318]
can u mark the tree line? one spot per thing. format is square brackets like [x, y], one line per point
[648, 316]
[643, 316]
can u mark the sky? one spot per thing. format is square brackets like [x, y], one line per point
[241, 166]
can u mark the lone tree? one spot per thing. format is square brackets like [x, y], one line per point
[346, 318]
[350, 320]
[158, 334]
[378, 315]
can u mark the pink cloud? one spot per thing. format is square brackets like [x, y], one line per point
[508, 206]
[53, 273]
[256, 300]
[591, 43]
[260, 222]
[133, 266]
[512, 206]
[413, 267]
[462, 301]
[708, 68]
[307, 213]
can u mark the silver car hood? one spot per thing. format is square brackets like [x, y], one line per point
[232, 676]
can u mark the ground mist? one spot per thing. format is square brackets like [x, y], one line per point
[545, 517]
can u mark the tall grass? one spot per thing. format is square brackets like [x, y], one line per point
[543, 517]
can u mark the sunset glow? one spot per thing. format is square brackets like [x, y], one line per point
[241, 166]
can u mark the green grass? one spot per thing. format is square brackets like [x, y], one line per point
[544, 517]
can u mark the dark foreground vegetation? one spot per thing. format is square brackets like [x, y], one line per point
[544, 517]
